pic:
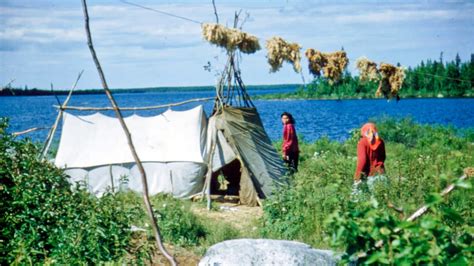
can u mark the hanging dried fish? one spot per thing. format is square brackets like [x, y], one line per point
[279, 50]
[230, 39]
[332, 64]
[391, 81]
[367, 69]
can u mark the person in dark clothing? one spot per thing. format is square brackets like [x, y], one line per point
[370, 156]
[290, 147]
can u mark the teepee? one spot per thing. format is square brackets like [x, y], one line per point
[240, 149]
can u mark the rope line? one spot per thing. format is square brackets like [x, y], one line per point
[161, 12]
[198, 22]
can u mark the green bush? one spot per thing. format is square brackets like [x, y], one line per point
[177, 223]
[371, 235]
[421, 160]
[45, 221]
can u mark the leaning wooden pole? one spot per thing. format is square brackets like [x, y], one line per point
[26, 131]
[423, 209]
[49, 138]
[209, 170]
[146, 198]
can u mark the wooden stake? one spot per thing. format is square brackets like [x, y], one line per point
[146, 198]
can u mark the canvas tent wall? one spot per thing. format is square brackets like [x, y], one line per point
[239, 135]
[171, 145]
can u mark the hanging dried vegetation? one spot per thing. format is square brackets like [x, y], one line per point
[391, 81]
[367, 69]
[229, 38]
[279, 50]
[332, 64]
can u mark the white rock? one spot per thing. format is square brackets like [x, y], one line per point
[265, 252]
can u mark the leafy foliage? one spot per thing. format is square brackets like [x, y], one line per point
[44, 221]
[421, 161]
[177, 223]
[374, 236]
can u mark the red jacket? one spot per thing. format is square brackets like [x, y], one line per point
[290, 140]
[369, 162]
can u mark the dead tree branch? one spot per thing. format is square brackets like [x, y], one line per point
[146, 198]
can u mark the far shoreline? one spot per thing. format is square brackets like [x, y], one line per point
[5, 92]
[284, 96]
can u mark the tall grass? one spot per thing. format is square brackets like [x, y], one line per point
[45, 221]
[421, 160]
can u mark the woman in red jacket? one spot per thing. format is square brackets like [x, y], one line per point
[370, 155]
[290, 147]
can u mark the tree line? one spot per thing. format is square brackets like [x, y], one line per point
[433, 78]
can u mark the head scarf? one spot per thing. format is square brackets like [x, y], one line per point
[369, 131]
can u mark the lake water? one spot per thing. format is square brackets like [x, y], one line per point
[314, 118]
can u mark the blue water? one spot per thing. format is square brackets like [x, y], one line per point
[314, 118]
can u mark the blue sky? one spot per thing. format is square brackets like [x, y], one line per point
[43, 41]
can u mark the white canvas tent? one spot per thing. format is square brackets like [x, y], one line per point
[171, 145]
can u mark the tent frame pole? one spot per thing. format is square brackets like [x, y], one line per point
[49, 138]
[79, 108]
[146, 198]
[207, 182]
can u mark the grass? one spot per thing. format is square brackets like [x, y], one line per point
[421, 161]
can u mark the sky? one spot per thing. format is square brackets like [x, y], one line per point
[43, 42]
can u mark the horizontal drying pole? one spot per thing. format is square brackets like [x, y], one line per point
[78, 108]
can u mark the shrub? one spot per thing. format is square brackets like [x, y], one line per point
[44, 221]
[178, 224]
[420, 160]
[371, 235]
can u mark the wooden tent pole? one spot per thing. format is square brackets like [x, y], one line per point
[146, 198]
[49, 138]
[79, 108]
[209, 170]
[28, 131]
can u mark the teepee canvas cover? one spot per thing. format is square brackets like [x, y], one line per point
[240, 135]
[171, 145]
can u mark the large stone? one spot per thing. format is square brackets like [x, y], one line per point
[265, 252]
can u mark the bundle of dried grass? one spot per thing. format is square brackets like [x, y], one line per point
[337, 62]
[317, 61]
[279, 50]
[391, 81]
[332, 64]
[367, 69]
[229, 38]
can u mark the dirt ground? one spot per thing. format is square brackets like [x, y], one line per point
[241, 217]
[238, 216]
